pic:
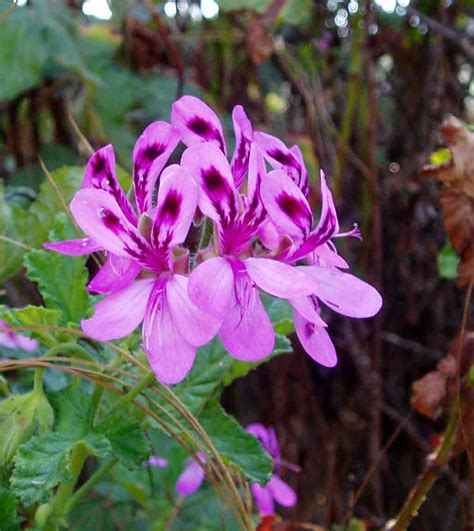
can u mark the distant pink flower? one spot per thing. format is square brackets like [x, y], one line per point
[157, 461]
[14, 341]
[232, 295]
[192, 477]
[276, 490]
[346, 294]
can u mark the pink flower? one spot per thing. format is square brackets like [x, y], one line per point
[192, 477]
[16, 341]
[232, 296]
[157, 461]
[346, 294]
[151, 153]
[173, 327]
[276, 490]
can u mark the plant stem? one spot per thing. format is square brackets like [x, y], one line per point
[147, 380]
[78, 457]
[89, 485]
[69, 347]
[436, 462]
[38, 381]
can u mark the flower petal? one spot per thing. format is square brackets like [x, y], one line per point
[344, 293]
[197, 122]
[247, 332]
[26, 344]
[279, 279]
[308, 307]
[281, 492]
[316, 341]
[243, 140]
[328, 225]
[325, 256]
[282, 158]
[150, 154]
[79, 247]
[190, 479]
[263, 499]
[214, 297]
[196, 326]
[209, 167]
[101, 218]
[100, 174]
[157, 461]
[118, 314]
[169, 354]
[176, 205]
[286, 205]
[115, 274]
[261, 433]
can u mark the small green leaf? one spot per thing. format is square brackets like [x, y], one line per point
[448, 262]
[9, 518]
[20, 417]
[127, 439]
[61, 279]
[237, 447]
[280, 313]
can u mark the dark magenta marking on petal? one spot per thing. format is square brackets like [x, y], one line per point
[214, 181]
[153, 152]
[293, 208]
[309, 329]
[98, 164]
[282, 158]
[172, 206]
[205, 130]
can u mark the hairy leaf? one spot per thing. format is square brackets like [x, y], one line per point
[9, 518]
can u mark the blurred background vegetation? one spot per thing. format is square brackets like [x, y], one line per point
[362, 86]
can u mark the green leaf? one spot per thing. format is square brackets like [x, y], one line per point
[448, 262]
[127, 439]
[9, 518]
[238, 5]
[20, 417]
[36, 42]
[236, 446]
[43, 462]
[34, 316]
[31, 227]
[61, 279]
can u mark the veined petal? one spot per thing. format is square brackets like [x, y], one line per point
[197, 122]
[101, 218]
[308, 307]
[176, 205]
[281, 492]
[279, 279]
[211, 286]
[210, 168]
[114, 275]
[169, 354]
[78, 247]
[247, 332]
[243, 140]
[150, 154]
[280, 157]
[196, 326]
[118, 314]
[325, 256]
[344, 293]
[328, 224]
[256, 173]
[100, 174]
[286, 205]
[263, 499]
[303, 174]
[191, 478]
[315, 340]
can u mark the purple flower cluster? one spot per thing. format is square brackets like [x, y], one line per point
[276, 490]
[263, 239]
[15, 341]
